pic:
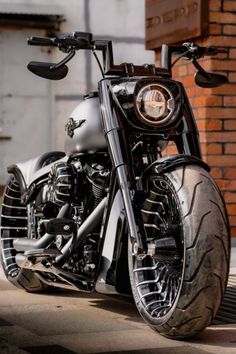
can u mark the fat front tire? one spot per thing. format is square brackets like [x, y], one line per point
[14, 224]
[179, 289]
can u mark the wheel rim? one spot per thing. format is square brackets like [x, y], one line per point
[158, 278]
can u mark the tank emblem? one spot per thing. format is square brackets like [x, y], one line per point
[72, 124]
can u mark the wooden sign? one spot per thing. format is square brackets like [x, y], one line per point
[173, 21]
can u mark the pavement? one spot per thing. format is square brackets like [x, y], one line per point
[68, 322]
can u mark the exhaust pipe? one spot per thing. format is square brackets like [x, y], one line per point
[24, 244]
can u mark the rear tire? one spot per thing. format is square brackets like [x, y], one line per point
[179, 293]
[14, 224]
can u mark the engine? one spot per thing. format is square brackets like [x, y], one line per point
[82, 184]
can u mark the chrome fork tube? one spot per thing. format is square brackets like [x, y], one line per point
[111, 129]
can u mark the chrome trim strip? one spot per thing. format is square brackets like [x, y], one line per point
[12, 228]
[14, 207]
[14, 217]
[8, 196]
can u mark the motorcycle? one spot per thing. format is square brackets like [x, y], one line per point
[112, 214]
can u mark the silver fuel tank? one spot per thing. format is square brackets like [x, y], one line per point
[89, 135]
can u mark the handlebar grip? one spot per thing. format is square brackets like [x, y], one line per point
[43, 41]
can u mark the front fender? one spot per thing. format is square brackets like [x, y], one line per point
[170, 163]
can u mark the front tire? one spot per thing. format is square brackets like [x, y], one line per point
[179, 290]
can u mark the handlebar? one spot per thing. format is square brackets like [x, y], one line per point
[83, 40]
[188, 51]
[65, 42]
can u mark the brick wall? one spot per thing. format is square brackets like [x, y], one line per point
[215, 109]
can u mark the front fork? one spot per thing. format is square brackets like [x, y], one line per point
[111, 129]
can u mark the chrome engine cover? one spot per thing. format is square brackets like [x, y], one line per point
[88, 135]
[62, 183]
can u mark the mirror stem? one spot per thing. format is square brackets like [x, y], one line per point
[63, 61]
[201, 70]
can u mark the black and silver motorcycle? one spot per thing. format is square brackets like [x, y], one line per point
[112, 214]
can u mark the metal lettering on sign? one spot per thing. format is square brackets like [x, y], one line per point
[172, 21]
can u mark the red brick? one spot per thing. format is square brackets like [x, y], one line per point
[230, 172]
[230, 148]
[229, 29]
[191, 91]
[191, 69]
[230, 101]
[231, 209]
[194, 110]
[221, 41]
[200, 91]
[214, 101]
[232, 221]
[216, 172]
[209, 125]
[171, 150]
[229, 89]
[223, 65]
[230, 197]
[212, 149]
[201, 124]
[226, 185]
[214, 5]
[207, 101]
[232, 77]
[213, 125]
[230, 125]
[233, 231]
[202, 137]
[232, 52]
[222, 113]
[188, 81]
[183, 70]
[215, 28]
[175, 71]
[198, 101]
[221, 137]
[229, 6]
[220, 17]
[222, 160]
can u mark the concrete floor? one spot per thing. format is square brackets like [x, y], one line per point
[66, 322]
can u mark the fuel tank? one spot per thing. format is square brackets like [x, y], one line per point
[86, 133]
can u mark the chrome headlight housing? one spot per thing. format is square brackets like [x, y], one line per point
[154, 104]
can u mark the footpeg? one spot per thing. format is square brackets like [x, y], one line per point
[33, 259]
[59, 226]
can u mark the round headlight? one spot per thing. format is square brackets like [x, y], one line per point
[154, 104]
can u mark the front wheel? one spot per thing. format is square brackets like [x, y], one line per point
[179, 287]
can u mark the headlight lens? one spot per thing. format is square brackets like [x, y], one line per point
[154, 104]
